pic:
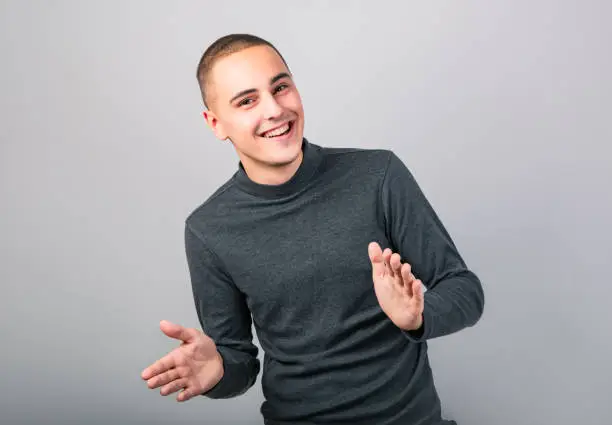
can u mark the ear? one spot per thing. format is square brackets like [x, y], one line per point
[215, 125]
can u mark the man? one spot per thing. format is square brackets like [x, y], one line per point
[326, 251]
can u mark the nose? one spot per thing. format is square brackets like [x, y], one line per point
[271, 108]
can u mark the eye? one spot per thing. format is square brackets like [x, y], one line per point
[280, 87]
[245, 102]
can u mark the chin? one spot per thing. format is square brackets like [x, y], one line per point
[287, 157]
[285, 149]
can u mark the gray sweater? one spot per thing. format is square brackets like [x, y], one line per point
[292, 260]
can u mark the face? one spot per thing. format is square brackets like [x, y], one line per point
[255, 104]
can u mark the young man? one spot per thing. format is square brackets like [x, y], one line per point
[326, 251]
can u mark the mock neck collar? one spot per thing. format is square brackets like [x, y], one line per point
[300, 179]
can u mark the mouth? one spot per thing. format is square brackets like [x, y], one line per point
[279, 131]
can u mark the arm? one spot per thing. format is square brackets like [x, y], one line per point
[224, 316]
[454, 298]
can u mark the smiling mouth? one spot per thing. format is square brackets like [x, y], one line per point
[279, 131]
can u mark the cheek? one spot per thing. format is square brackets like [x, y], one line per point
[245, 125]
[293, 102]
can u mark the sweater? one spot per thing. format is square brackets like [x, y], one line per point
[291, 261]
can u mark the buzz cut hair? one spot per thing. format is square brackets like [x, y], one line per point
[222, 47]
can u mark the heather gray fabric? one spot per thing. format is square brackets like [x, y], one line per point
[293, 259]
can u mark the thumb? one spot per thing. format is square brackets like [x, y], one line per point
[376, 258]
[176, 331]
[375, 253]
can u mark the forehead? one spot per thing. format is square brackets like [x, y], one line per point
[250, 68]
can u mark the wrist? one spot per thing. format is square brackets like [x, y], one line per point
[416, 325]
[216, 371]
[219, 368]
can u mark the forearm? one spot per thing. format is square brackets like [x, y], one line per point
[454, 298]
[240, 370]
[224, 316]
[454, 303]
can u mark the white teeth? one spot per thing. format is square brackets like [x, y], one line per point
[278, 131]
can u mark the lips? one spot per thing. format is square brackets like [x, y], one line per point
[280, 130]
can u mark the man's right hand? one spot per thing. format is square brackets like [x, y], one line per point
[193, 368]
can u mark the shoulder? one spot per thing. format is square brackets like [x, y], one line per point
[381, 168]
[370, 161]
[207, 213]
[357, 155]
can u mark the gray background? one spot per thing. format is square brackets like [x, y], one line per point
[501, 109]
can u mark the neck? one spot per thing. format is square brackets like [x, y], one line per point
[270, 182]
[269, 174]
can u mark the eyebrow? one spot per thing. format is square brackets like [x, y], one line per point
[273, 80]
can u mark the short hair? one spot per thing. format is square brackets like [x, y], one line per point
[222, 47]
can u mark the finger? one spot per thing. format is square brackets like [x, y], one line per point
[174, 386]
[160, 366]
[386, 259]
[185, 395]
[417, 290]
[177, 331]
[191, 391]
[164, 378]
[387, 254]
[407, 278]
[407, 273]
[396, 264]
[376, 258]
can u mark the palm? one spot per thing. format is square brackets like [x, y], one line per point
[399, 293]
[195, 355]
[192, 368]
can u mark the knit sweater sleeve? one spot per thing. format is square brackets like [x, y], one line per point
[454, 298]
[224, 316]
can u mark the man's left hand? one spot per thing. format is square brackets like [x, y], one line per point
[399, 293]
